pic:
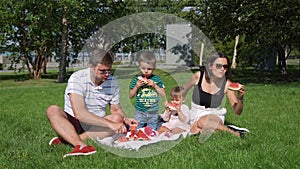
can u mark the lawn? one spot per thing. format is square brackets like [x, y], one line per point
[271, 113]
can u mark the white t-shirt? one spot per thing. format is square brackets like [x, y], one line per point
[174, 121]
[96, 98]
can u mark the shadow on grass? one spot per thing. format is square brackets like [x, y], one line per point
[250, 75]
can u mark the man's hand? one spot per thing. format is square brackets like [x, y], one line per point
[118, 127]
[130, 121]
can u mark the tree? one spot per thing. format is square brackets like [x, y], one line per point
[62, 75]
[265, 24]
[37, 29]
[273, 23]
[29, 30]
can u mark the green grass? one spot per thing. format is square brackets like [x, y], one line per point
[271, 113]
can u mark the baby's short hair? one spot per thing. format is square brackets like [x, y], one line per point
[178, 91]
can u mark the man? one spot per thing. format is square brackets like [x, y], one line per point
[88, 93]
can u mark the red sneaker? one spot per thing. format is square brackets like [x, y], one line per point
[57, 141]
[78, 150]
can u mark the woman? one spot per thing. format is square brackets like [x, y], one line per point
[210, 86]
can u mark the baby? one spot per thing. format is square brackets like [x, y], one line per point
[176, 115]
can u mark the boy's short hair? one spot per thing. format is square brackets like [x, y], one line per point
[101, 56]
[178, 91]
[148, 57]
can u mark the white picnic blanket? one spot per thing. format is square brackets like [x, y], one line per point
[136, 145]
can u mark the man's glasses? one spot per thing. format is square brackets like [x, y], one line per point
[219, 66]
[104, 71]
[143, 68]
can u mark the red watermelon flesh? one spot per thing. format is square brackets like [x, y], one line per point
[234, 86]
[148, 130]
[141, 136]
[132, 134]
[123, 139]
[171, 106]
[144, 79]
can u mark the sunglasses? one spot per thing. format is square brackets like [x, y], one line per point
[219, 66]
[104, 71]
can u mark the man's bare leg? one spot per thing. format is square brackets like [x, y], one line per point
[101, 132]
[61, 125]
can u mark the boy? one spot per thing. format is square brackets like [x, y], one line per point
[147, 87]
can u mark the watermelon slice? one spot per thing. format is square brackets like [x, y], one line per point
[143, 79]
[141, 136]
[234, 86]
[148, 130]
[132, 131]
[171, 106]
[132, 135]
[123, 139]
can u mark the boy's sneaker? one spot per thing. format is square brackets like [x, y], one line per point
[78, 150]
[57, 141]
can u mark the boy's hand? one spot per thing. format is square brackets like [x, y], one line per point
[142, 81]
[151, 83]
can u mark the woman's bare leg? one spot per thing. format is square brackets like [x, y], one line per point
[195, 129]
[177, 130]
[210, 123]
[162, 129]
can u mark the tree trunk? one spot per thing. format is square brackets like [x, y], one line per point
[37, 66]
[44, 65]
[281, 61]
[201, 55]
[234, 64]
[24, 50]
[62, 76]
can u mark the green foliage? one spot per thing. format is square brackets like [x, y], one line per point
[270, 113]
[34, 28]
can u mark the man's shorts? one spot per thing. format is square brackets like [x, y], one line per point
[75, 122]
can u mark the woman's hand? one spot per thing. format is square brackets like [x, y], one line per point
[241, 93]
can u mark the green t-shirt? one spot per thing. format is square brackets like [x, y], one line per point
[147, 98]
